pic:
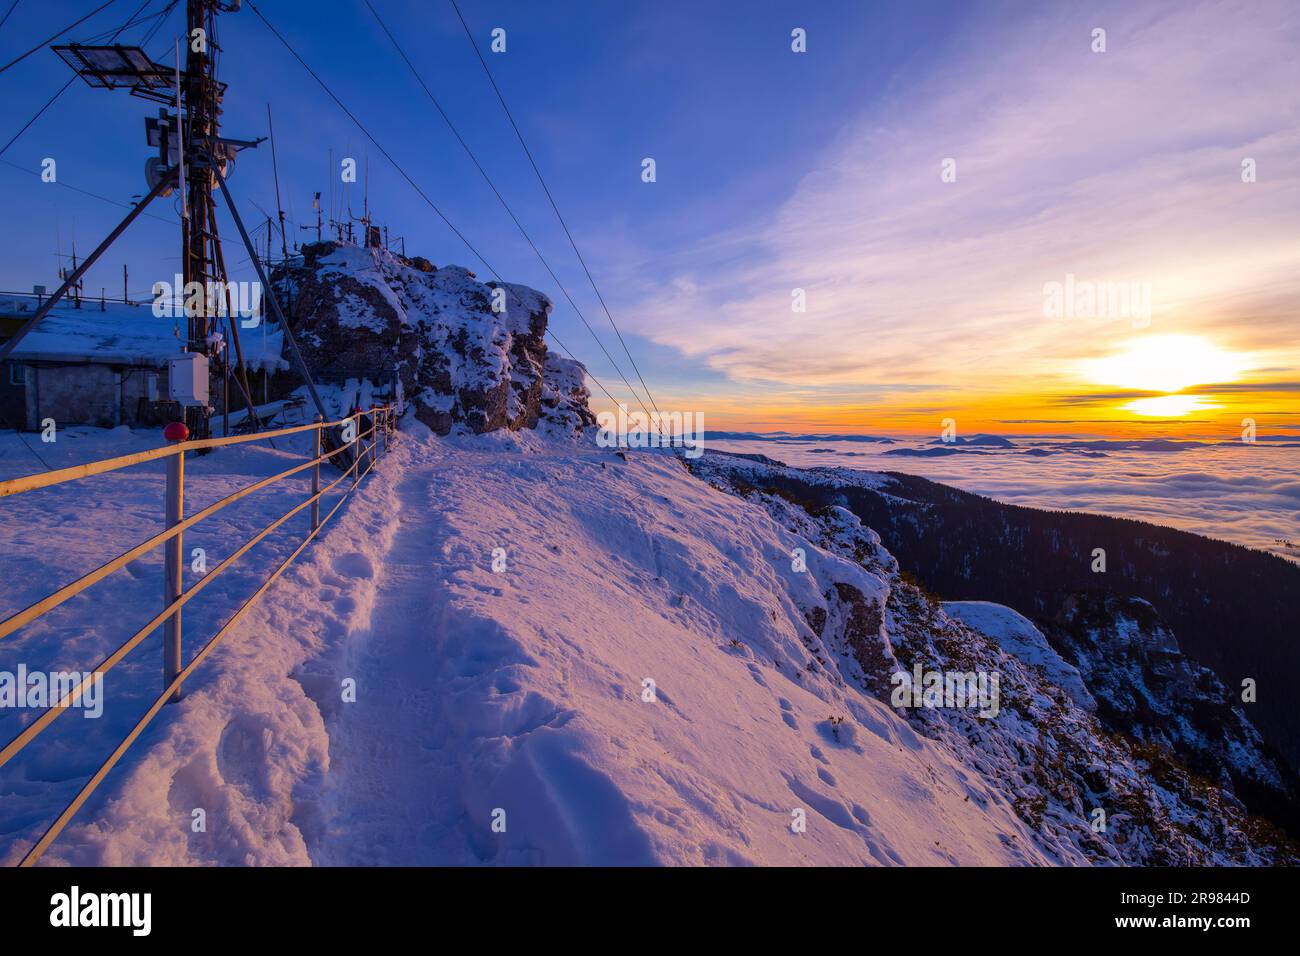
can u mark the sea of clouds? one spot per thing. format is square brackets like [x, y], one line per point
[1245, 493]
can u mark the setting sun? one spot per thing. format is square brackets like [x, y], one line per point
[1167, 363]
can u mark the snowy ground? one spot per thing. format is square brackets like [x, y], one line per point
[485, 695]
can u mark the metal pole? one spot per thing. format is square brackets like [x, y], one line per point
[269, 295]
[172, 582]
[275, 169]
[180, 145]
[363, 448]
[315, 478]
[365, 445]
[232, 323]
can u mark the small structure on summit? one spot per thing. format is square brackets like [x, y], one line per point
[107, 364]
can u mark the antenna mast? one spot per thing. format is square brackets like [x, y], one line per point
[191, 153]
[275, 169]
[200, 125]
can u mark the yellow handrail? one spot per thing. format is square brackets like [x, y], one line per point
[14, 486]
[51, 601]
[48, 717]
[375, 413]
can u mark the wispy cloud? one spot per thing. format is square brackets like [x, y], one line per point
[1121, 166]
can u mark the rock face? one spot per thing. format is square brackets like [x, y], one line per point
[462, 352]
[1147, 688]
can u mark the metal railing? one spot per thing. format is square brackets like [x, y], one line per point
[379, 424]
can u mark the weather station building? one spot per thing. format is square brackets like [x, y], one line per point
[97, 362]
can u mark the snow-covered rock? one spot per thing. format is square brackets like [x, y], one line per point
[1146, 686]
[466, 353]
[1017, 636]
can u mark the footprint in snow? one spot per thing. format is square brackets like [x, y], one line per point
[141, 569]
[354, 565]
[243, 753]
[789, 720]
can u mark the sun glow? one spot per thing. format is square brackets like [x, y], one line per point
[1169, 406]
[1166, 363]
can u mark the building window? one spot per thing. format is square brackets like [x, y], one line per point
[17, 373]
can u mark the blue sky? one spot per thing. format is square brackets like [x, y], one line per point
[714, 95]
[775, 171]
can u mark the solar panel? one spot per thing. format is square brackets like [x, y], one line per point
[120, 67]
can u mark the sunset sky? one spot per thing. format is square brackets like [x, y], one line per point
[778, 171]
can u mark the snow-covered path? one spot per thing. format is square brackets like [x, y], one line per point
[380, 794]
[438, 702]
[516, 695]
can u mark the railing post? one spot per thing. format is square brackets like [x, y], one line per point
[374, 437]
[370, 445]
[356, 448]
[365, 446]
[315, 477]
[383, 435]
[173, 581]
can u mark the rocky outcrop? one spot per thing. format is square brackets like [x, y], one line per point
[463, 353]
[1146, 688]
